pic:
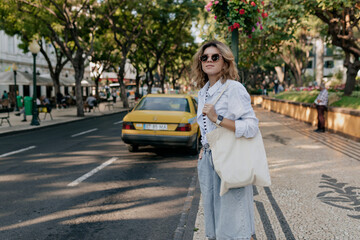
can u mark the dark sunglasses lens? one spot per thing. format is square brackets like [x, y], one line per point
[215, 57]
[203, 58]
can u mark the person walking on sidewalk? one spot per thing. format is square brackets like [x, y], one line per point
[321, 104]
[230, 216]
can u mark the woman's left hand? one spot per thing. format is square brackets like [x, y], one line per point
[209, 111]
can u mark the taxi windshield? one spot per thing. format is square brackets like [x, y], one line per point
[164, 104]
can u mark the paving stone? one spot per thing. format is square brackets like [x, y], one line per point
[315, 192]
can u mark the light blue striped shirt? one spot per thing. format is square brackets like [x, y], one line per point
[234, 104]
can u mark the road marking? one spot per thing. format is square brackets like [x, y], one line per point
[17, 151]
[78, 134]
[118, 122]
[92, 172]
[181, 227]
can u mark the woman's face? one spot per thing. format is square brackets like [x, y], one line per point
[214, 63]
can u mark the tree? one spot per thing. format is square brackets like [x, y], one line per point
[104, 57]
[126, 21]
[72, 26]
[167, 32]
[14, 23]
[342, 18]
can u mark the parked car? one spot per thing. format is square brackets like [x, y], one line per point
[162, 120]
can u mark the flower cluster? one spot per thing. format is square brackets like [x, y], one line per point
[245, 15]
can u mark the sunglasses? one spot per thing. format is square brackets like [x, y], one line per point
[215, 57]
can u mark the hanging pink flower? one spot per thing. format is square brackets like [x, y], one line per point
[242, 11]
[208, 6]
[262, 3]
[264, 15]
[261, 27]
[253, 4]
[215, 17]
[216, 2]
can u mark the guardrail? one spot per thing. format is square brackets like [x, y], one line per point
[343, 121]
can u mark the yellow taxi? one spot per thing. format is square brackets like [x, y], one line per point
[162, 120]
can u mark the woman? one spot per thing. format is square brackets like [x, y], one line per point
[230, 216]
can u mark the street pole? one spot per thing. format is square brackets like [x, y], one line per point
[34, 49]
[15, 86]
[34, 121]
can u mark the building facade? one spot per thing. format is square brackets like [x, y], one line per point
[11, 54]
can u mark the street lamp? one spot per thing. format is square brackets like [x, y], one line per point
[15, 68]
[34, 49]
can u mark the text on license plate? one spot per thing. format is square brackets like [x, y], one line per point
[155, 126]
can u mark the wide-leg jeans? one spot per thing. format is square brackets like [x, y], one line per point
[231, 216]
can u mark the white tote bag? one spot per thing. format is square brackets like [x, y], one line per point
[238, 161]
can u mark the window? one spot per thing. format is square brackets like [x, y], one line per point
[329, 64]
[310, 64]
[164, 104]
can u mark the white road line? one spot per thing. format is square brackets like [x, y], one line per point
[78, 134]
[92, 172]
[118, 122]
[17, 151]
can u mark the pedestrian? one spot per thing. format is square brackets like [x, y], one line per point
[114, 96]
[321, 105]
[276, 86]
[46, 102]
[230, 216]
[263, 87]
[91, 101]
[281, 88]
[5, 95]
[59, 99]
[22, 111]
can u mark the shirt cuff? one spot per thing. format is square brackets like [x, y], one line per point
[244, 128]
[240, 127]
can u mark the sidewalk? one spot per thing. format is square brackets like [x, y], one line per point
[315, 191]
[60, 116]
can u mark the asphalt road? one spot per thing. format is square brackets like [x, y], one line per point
[78, 181]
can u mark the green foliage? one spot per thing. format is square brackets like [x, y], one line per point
[348, 102]
[306, 97]
[336, 99]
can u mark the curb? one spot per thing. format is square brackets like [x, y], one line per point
[9, 133]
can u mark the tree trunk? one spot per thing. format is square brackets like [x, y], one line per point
[351, 73]
[97, 86]
[162, 77]
[56, 86]
[121, 75]
[79, 74]
[280, 73]
[150, 82]
[319, 60]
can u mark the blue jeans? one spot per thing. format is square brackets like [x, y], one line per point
[230, 217]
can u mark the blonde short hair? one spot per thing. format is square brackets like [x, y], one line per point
[229, 71]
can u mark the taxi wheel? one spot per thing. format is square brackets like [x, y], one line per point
[133, 148]
[195, 147]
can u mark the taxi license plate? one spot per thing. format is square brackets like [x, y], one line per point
[155, 126]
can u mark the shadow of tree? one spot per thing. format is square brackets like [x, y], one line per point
[340, 195]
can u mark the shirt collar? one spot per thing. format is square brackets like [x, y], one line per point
[204, 88]
[215, 87]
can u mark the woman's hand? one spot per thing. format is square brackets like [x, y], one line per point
[201, 153]
[209, 111]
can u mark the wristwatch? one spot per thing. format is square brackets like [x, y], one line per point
[219, 120]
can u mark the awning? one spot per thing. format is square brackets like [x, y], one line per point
[70, 81]
[23, 78]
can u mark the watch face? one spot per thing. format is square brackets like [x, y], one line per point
[220, 117]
